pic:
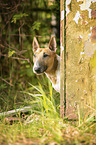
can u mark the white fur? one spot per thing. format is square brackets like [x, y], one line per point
[35, 65]
[57, 85]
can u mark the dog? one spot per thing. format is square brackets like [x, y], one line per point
[47, 61]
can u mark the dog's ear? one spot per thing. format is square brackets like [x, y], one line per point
[35, 44]
[52, 44]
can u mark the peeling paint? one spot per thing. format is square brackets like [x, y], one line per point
[67, 9]
[68, 2]
[81, 53]
[90, 10]
[62, 48]
[86, 22]
[85, 6]
[80, 36]
[62, 15]
[77, 17]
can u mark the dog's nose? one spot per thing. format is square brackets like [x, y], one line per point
[37, 70]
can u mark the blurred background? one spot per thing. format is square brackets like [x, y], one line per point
[20, 21]
[40, 123]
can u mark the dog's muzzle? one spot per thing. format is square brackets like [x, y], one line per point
[40, 70]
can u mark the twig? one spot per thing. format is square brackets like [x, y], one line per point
[24, 35]
[21, 59]
[16, 50]
[24, 109]
[6, 81]
[18, 58]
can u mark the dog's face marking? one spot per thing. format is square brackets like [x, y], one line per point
[43, 57]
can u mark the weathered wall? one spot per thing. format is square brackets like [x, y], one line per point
[81, 57]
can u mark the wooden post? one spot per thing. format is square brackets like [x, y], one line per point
[78, 70]
[62, 58]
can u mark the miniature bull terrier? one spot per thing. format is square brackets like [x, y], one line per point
[47, 61]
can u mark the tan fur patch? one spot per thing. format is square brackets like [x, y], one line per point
[52, 73]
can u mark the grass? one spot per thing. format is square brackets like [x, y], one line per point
[43, 124]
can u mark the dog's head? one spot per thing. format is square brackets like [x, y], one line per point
[43, 57]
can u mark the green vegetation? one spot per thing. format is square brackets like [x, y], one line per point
[20, 21]
[43, 124]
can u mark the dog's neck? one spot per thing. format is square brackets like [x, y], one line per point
[54, 74]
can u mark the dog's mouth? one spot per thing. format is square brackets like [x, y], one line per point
[40, 70]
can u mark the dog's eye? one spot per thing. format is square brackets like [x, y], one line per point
[45, 55]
